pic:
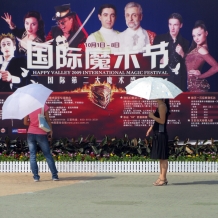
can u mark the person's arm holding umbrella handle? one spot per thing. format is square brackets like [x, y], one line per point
[49, 123]
[149, 130]
[26, 121]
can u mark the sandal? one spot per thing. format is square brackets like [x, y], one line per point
[161, 184]
[158, 181]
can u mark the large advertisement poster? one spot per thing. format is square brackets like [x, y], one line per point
[87, 52]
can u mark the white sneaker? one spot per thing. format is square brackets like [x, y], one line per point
[55, 179]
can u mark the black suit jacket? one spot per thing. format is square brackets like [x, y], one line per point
[14, 68]
[180, 79]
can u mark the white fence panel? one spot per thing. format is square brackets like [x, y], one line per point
[112, 167]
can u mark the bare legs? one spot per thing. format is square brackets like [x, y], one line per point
[163, 169]
[162, 180]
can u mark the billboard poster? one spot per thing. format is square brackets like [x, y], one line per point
[87, 52]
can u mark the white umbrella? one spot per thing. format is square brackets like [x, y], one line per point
[153, 88]
[24, 101]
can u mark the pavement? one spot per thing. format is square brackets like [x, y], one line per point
[108, 195]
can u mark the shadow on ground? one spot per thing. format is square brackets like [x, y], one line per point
[212, 182]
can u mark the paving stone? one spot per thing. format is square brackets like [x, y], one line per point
[108, 195]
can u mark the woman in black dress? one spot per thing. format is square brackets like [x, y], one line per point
[160, 139]
[33, 29]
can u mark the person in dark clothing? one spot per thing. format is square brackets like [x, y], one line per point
[160, 149]
[33, 29]
[67, 24]
[13, 70]
[177, 48]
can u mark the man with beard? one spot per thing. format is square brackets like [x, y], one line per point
[134, 38]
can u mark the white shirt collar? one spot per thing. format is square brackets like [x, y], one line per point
[5, 63]
[131, 31]
[8, 59]
[105, 30]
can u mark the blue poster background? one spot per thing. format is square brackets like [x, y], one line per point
[155, 18]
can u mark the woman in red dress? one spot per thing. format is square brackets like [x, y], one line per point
[198, 54]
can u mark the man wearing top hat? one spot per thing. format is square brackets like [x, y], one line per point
[67, 24]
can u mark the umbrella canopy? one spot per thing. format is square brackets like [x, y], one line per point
[153, 88]
[24, 101]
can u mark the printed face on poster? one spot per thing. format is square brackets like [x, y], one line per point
[88, 53]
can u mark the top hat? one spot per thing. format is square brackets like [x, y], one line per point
[62, 11]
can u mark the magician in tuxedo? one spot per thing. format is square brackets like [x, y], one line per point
[13, 70]
[177, 48]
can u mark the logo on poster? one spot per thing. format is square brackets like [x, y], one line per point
[3, 130]
[21, 131]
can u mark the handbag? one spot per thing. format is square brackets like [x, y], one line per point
[42, 122]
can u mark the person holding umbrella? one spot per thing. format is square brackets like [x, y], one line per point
[27, 103]
[36, 135]
[160, 139]
[160, 90]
